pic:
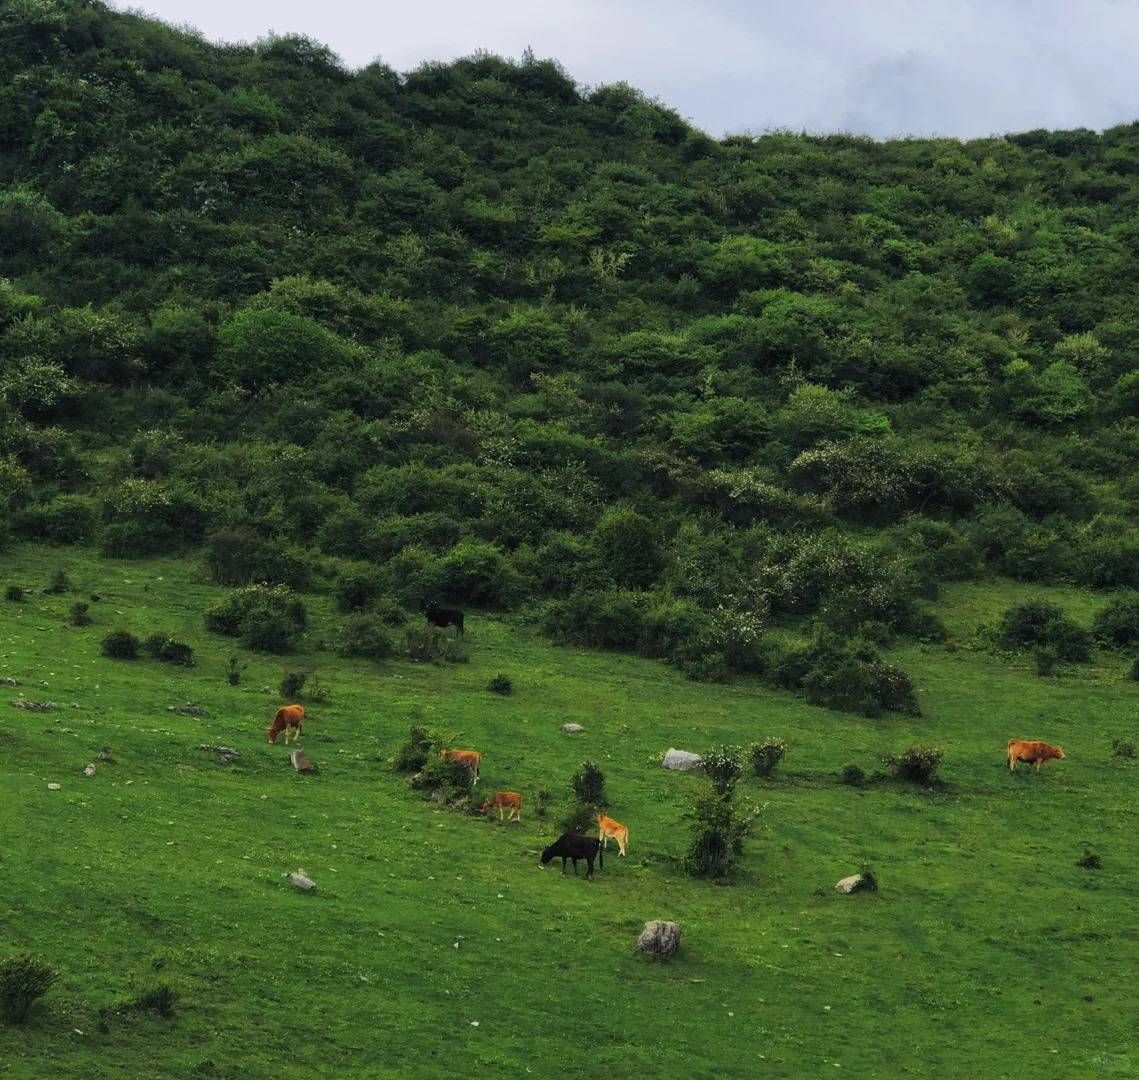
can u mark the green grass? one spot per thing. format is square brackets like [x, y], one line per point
[987, 952]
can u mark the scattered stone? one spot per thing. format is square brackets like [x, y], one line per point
[189, 709]
[300, 880]
[54, 787]
[659, 940]
[301, 762]
[572, 729]
[680, 760]
[105, 754]
[226, 754]
[9, 682]
[89, 770]
[34, 706]
[863, 882]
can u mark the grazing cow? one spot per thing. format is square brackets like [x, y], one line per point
[505, 800]
[470, 758]
[288, 718]
[607, 827]
[444, 616]
[1033, 751]
[575, 846]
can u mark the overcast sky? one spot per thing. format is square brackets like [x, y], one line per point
[881, 67]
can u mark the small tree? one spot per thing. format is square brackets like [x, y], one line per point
[588, 785]
[233, 669]
[23, 979]
[917, 764]
[292, 683]
[723, 767]
[718, 832]
[79, 615]
[59, 583]
[121, 645]
[766, 755]
[412, 756]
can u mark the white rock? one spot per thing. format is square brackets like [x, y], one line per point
[572, 729]
[300, 880]
[681, 760]
[89, 770]
[54, 787]
[849, 884]
[659, 939]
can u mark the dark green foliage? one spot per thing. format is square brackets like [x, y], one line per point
[424, 643]
[869, 882]
[233, 669]
[14, 593]
[588, 785]
[626, 545]
[766, 755]
[165, 648]
[501, 684]
[542, 802]
[1090, 860]
[241, 557]
[852, 774]
[265, 618]
[79, 615]
[1047, 660]
[388, 610]
[366, 636]
[452, 779]
[59, 583]
[606, 620]
[412, 755]
[916, 764]
[1117, 625]
[719, 829]
[357, 587]
[23, 980]
[1122, 748]
[1041, 623]
[723, 766]
[159, 1001]
[121, 645]
[293, 684]
[68, 519]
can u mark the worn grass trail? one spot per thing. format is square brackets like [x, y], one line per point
[988, 951]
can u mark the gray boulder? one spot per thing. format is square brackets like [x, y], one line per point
[572, 729]
[300, 880]
[659, 940]
[680, 760]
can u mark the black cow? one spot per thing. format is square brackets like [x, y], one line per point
[444, 616]
[575, 846]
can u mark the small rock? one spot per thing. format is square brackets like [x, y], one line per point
[854, 883]
[105, 754]
[659, 940]
[9, 682]
[89, 770]
[34, 706]
[300, 880]
[572, 729]
[681, 760]
[188, 709]
[301, 762]
[54, 787]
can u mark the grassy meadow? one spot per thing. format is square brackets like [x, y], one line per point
[435, 946]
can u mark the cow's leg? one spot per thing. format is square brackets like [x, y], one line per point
[564, 865]
[500, 813]
[1038, 764]
[589, 862]
[575, 866]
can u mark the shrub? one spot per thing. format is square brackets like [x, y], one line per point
[121, 645]
[1047, 661]
[356, 588]
[917, 764]
[388, 610]
[579, 818]
[165, 648]
[79, 615]
[266, 618]
[241, 557]
[853, 775]
[1090, 860]
[542, 802]
[500, 684]
[160, 1000]
[424, 643]
[15, 593]
[68, 519]
[365, 636]
[1122, 748]
[766, 755]
[588, 785]
[478, 573]
[454, 650]
[722, 767]
[718, 833]
[292, 684]
[1117, 625]
[233, 670]
[23, 979]
[316, 691]
[452, 778]
[869, 882]
[610, 619]
[59, 583]
[1039, 622]
[412, 756]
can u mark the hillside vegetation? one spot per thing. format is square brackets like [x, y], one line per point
[846, 433]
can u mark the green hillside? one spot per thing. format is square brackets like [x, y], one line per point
[805, 437]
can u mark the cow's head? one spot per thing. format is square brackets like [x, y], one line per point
[486, 806]
[548, 854]
[1057, 751]
[271, 733]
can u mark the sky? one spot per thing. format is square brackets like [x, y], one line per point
[964, 68]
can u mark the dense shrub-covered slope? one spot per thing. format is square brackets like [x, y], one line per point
[508, 340]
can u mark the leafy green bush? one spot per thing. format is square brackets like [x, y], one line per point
[67, 519]
[1122, 748]
[766, 755]
[1042, 623]
[365, 636]
[357, 587]
[1047, 661]
[1117, 625]
[292, 685]
[159, 1000]
[500, 684]
[1089, 860]
[23, 980]
[233, 669]
[412, 755]
[165, 648]
[604, 620]
[59, 583]
[79, 615]
[424, 643]
[121, 645]
[719, 829]
[266, 618]
[241, 557]
[15, 593]
[916, 764]
[452, 779]
[588, 784]
[722, 765]
[853, 775]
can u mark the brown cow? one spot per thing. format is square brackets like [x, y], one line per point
[1033, 751]
[505, 800]
[288, 718]
[608, 827]
[470, 758]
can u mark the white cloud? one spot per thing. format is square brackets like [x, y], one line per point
[884, 67]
